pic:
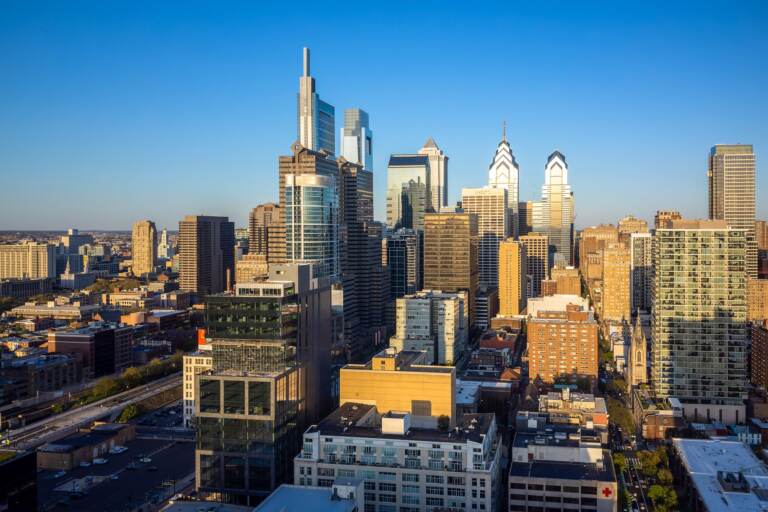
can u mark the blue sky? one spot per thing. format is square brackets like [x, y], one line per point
[115, 111]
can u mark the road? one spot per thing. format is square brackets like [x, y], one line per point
[58, 426]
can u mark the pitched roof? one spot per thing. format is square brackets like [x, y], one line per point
[430, 143]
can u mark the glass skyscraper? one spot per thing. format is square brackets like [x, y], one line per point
[316, 124]
[357, 138]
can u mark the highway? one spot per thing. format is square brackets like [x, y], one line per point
[61, 425]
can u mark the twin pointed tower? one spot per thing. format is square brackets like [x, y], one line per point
[505, 173]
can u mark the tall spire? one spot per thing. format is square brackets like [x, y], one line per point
[306, 61]
[504, 131]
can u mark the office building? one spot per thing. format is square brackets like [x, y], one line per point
[554, 214]
[757, 300]
[450, 255]
[194, 363]
[663, 216]
[435, 322]
[402, 381]
[438, 175]
[486, 307]
[562, 467]
[260, 221]
[537, 261]
[357, 138]
[758, 355]
[731, 180]
[615, 300]
[699, 318]
[403, 466]
[513, 278]
[312, 222]
[27, 260]
[562, 340]
[24, 288]
[316, 119]
[408, 191]
[629, 225]
[525, 217]
[761, 235]
[718, 475]
[206, 254]
[567, 280]
[490, 206]
[144, 247]
[504, 173]
[251, 267]
[401, 252]
[164, 246]
[270, 379]
[641, 271]
[104, 348]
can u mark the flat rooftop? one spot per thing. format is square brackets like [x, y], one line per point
[305, 499]
[566, 470]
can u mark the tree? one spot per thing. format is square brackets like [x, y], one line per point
[649, 462]
[620, 415]
[131, 377]
[443, 422]
[664, 476]
[128, 413]
[618, 385]
[104, 387]
[620, 462]
[664, 498]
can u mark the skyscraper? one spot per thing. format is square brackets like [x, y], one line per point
[401, 249]
[438, 175]
[144, 247]
[513, 278]
[699, 318]
[628, 225]
[357, 138]
[206, 254]
[731, 179]
[525, 217]
[490, 206]
[615, 300]
[315, 118]
[164, 247]
[450, 255]
[554, 214]
[537, 261]
[408, 189]
[311, 223]
[641, 268]
[505, 173]
[260, 221]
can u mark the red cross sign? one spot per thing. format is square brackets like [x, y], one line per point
[607, 492]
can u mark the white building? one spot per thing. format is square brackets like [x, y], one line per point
[357, 138]
[432, 321]
[554, 214]
[493, 226]
[438, 175]
[194, 364]
[555, 303]
[405, 469]
[27, 260]
[504, 173]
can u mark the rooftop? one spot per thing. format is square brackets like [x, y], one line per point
[308, 499]
[566, 470]
[408, 160]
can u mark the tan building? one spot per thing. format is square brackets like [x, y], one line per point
[567, 279]
[757, 300]
[631, 224]
[663, 216]
[490, 206]
[261, 219]
[759, 355]
[401, 382]
[513, 272]
[562, 342]
[450, 254]
[548, 287]
[537, 261]
[144, 247]
[27, 260]
[591, 241]
[761, 235]
[615, 299]
[251, 267]
[525, 220]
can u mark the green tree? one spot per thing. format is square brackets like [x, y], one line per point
[649, 462]
[620, 415]
[620, 462]
[617, 385]
[131, 377]
[128, 413]
[664, 499]
[104, 388]
[664, 476]
[443, 423]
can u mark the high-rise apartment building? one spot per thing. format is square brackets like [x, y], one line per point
[562, 339]
[433, 322]
[269, 380]
[537, 261]
[504, 173]
[357, 138]
[615, 300]
[592, 241]
[144, 247]
[757, 300]
[758, 356]
[554, 214]
[315, 118]
[450, 254]
[438, 175]
[312, 223]
[401, 252]
[513, 278]
[27, 260]
[699, 318]
[567, 280]
[641, 269]
[663, 216]
[629, 225]
[261, 219]
[731, 180]
[408, 191]
[490, 206]
[206, 254]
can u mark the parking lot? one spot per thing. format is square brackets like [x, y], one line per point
[169, 416]
[148, 469]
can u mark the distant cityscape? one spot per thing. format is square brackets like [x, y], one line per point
[477, 356]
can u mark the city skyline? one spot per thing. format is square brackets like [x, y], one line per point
[215, 142]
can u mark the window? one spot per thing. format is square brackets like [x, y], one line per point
[410, 500]
[574, 490]
[452, 491]
[324, 482]
[385, 475]
[434, 479]
[516, 485]
[588, 490]
[209, 395]
[435, 490]
[258, 398]
[387, 487]
[456, 480]
[535, 487]
[434, 502]
[410, 477]
[370, 486]
[553, 488]
[234, 397]
[387, 498]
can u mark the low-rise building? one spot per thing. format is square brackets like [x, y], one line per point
[41, 372]
[104, 348]
[18, 481]
[656, 417]
[59, 309]
[719, 475]
[24, 288]
[345, 495]
[404, 467]
[84, 446]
